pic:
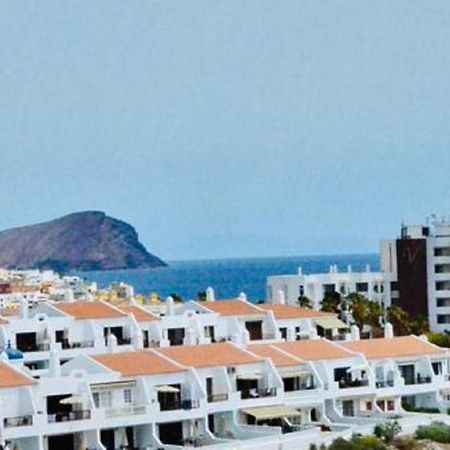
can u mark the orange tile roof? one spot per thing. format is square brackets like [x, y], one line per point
[139, 314]
[3, 321]
[392, 347]
[279, 358]
[220, 354]
[142, 362]
[89, 310]
[10, 377]
[10, 312]
[232, 307]
[283, 311]
[314, 349]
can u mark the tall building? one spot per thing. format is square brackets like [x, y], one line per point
[414, 274]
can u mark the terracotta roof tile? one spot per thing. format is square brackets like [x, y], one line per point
[89, 310]
[232, 307]
[283, 311]
[10, 377]
[314, 349]
[3, 321]
[220, 354]
[140, 314]
[392, 347]
[279, 358]
[143, 362]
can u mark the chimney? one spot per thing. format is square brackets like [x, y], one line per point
[300, 270]
[243, 296]
[23, 308]
[388, 331]
[280, 299]
[354, 333]
[170, 310]
[210, 294]
[112, 342]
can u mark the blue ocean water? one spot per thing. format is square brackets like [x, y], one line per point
[228, 277]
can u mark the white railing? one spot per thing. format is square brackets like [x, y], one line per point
[131, 410]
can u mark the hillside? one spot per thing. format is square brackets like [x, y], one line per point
[81, 241]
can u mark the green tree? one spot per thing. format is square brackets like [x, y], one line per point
[304, 302]
[201, 296]
[420, 325]
[330, 302]
[400, 320]
[440, 339]
[387, 431]
[176, 298]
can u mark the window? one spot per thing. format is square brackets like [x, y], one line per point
[437, 367]
[443, 318]
[127, 396]
[362, 287]
[394, 286]
[106, 399]
[443, 301]
[301, 290]
[442, 268]
[443, 285]
[96, 397]
[442, 251]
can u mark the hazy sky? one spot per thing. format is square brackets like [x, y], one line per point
[228, 127]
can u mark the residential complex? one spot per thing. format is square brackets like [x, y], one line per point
[414, 274]
[217, 374]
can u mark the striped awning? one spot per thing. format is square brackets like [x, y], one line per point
[271, 412]
[113, 385]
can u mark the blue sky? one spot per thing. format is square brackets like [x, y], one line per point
[227, 128]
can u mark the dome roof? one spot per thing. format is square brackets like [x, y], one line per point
[13, 353]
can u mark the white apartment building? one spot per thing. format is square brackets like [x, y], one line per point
[414, 274]
[260, 396]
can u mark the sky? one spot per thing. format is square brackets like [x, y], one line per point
[228, 128]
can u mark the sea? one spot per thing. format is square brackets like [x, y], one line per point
[228, 277]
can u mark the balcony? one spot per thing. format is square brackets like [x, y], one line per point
[19, 421]
[419, 379]
[81, 344]
[179, 404]
[213, 398]
[258, 393]
[346, 384]
[131, 410]
[69, 416]
[45, 347]
[384, 384]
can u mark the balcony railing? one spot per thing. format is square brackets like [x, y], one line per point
[179, 404]
[212, 398]
[69, 416]
[384, 383]
[345, 384]
[126, 411]
[19, 421]
[81, 344]
[124, 341]
[258, 393]
[419, 379]
[34, 348]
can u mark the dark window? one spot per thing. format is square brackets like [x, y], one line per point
[283, 332]
[394, 286]
[443, 301]
[255, 329]
[362, 287]
[442, 251]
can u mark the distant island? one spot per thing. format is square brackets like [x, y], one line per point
[84, 241]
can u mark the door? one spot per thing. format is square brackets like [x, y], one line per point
[255, 329]
[171, 433]
[347, 408]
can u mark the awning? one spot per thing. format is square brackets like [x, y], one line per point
[330, 323]
[113, 385]
[295, 373]
[167, 388]
[72, 400]
[272, 412]
[249, 376]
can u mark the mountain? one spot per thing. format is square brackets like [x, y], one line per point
[88, 240]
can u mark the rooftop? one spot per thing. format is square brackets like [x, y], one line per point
[143, 362]
[89, 310]
[140, 314]
[234, 307]
[278, 357]
[220, 354]
[314, 349]
[393, 347]
[10, 377]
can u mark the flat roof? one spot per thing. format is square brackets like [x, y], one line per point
[219, 354]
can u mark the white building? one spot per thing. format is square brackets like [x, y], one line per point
[414, 274]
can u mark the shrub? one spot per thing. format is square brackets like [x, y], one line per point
[368, 443]
[341, 444]
[437, 432]
[313, 447]
[387, 431]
